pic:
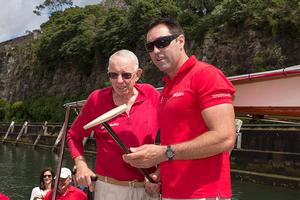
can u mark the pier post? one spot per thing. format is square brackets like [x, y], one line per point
[23, 130]
[44, 132]
[238, 126]
[59, 136]
[9, 130]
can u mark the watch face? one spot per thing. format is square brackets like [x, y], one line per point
[169, 153]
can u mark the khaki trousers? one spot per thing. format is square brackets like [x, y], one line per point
[108, 191]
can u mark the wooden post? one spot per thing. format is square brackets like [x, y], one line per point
[44, 132]
[238, 126]
[9, 130]
[23, 129]
[59, 136]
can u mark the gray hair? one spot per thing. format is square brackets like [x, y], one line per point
[126, 54]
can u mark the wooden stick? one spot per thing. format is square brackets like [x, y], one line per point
[125, 148]
[103, 120]
[61, 153]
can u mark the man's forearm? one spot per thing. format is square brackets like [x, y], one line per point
[207, 144]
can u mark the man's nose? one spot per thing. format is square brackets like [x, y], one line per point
[156, 50]
[120, 78]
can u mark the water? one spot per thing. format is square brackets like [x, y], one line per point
[251, 191]
[20, 169]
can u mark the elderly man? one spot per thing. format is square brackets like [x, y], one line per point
[137, 126]
[196, 119]
[65, 191]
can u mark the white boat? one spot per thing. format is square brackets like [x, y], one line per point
[269, 93]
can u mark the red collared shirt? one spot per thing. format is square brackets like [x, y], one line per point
[139, 127]
[72, 193]
[196, 86]
[3, 197]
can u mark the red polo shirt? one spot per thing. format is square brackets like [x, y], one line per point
[196, 86]
[138, 128]
[3, 197]
[72, 193]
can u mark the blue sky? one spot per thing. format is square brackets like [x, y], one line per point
[16, 16]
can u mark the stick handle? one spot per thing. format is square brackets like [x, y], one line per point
[61, 153]
[94, 178]
[125, 148]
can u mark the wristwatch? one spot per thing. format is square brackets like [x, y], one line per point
[170, 152]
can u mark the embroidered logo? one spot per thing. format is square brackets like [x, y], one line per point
[164, 99]
[178, 94]
[220, 95]
[111, 124]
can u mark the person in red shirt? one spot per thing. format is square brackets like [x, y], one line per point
[135, 127]
[196, 119]
[3, 197]
[65, 191]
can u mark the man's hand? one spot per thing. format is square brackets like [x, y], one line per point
[153, 188]
[84, 173]
[146, 156]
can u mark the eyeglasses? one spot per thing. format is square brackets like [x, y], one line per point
[125, 75]
[160, 42]
[63, 179]
[49, 176]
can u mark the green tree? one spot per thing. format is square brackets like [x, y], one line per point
[52, 6]
[16, 112]
[114, 3]
[125, 27]
[199, 7]
[68, 38]
[278, 18]
[141, 12]
[45, 108]
[112, 33]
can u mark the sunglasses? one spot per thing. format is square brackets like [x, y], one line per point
[125, 75]
[160, 42]
[49, 176]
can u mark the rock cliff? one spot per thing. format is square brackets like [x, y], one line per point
[234, 50]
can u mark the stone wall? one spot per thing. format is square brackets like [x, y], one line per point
[231, 49]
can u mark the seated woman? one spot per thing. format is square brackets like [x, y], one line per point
[46, 184]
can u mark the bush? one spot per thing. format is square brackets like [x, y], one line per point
[15, 112]
[3, 106]
[38, 109]
[269, 59]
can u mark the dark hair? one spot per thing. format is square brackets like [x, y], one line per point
[171, 23]
[42, 185]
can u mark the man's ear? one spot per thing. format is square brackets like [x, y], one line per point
[181, 40]
[69, 179]
[139, 73]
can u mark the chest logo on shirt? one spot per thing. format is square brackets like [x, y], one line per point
[111, 125]
[178, 94]
[164, 99]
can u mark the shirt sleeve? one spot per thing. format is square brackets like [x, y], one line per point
[34, 193]
[212, 87]
[76, 133]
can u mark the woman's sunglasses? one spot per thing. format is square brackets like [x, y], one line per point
[160, 42]
[125, 75]
[49, 176]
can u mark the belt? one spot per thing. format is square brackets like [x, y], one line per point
[134, 183]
